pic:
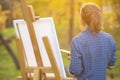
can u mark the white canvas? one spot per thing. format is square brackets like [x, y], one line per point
[22, 31]
[42, 27]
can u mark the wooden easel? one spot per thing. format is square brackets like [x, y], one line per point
[29, 17]
[39, 72]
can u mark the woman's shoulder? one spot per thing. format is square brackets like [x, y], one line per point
[109, 37]
[78, 38]
[106, 35]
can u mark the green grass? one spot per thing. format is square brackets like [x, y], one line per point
[8, 70]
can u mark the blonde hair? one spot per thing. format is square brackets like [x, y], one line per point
[91, 15]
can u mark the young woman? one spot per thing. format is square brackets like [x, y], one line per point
[93, 51]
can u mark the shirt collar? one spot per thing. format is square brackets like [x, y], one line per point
[88, 30]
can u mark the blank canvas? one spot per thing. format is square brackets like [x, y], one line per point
[42, 27]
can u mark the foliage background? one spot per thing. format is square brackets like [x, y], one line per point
[61, 11]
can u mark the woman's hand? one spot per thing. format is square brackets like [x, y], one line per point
[69, 56]
[110, 67]
[66, 52]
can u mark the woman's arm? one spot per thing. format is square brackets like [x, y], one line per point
[113, 56]
[76, 62]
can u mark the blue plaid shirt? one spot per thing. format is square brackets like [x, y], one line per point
[91, 54]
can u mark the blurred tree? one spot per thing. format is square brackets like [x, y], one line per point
[116, 8]
[3, 17]
[6, 6]
[4, 12]
[12, 6]
[71, 22]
